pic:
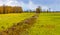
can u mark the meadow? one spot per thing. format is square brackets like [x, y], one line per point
[7, 20]
[46, 23]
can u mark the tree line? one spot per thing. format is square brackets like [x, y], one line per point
[18, 9]
[9, 9]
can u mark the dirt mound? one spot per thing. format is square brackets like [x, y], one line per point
[20, 27]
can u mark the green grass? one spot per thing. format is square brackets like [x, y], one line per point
[7, 20]
[47, 24]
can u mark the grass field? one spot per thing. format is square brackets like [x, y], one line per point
[47, 24]
[7, 20]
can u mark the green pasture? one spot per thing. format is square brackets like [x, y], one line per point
[7, 20]
[47, 24]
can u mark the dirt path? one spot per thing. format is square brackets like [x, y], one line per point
[20, 27]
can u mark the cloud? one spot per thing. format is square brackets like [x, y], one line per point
[33, 6]
[13, 3]
[1, 2]
[9, 2]
[30, 5]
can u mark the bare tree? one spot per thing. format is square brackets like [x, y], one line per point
[38, 10]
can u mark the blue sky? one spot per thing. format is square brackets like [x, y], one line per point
[32, 4]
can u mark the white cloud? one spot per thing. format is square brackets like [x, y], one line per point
[25, 6]
[13, 3]
[1, 2]
[33, 6]
[9, 2]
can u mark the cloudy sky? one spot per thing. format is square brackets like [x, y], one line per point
[32, 4]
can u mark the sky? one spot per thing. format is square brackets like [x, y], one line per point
[32, 4]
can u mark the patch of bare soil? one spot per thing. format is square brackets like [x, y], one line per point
[20, 27]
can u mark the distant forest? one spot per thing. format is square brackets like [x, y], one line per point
[17, 9]
[10, 9]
